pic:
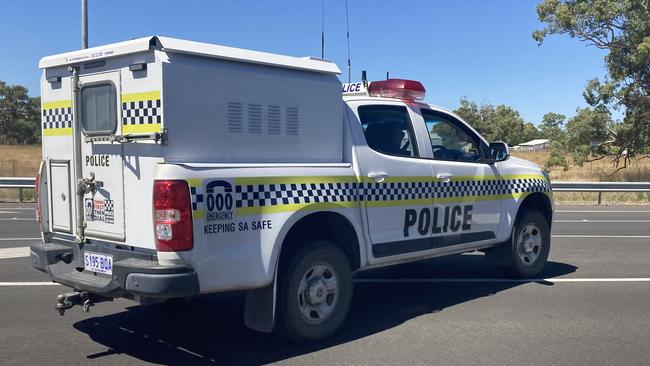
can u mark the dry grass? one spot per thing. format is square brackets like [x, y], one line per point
[19, 160]
[590, 198]
[598, 171]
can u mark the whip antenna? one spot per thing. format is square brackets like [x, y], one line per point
[347, 26]
[322, 31]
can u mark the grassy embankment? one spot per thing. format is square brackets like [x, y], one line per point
[23, 161]
[598, 171]
[18, 161]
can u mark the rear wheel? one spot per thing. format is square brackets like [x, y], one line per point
[315, 292]
[526, 253]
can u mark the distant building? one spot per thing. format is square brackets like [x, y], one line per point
[533, 145]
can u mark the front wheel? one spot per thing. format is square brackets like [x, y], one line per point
[526, 253]
[315, 292]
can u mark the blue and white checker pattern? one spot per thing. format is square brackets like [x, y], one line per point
[436, 190]
[284, 194]
[262, 195]
[142, 112]
[196, 194]
[396, 191]
[57, 118]
[471, 188]
[529, 185]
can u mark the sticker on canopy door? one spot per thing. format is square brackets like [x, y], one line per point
[99, 210]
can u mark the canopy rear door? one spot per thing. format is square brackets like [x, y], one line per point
[98, 107]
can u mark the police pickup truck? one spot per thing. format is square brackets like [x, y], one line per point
[174, 168]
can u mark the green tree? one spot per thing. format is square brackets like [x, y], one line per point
[499, 122]
[477, 116]
[552, 126]
[589, 135]
[622, 27]
[552, 129]
[19, 116]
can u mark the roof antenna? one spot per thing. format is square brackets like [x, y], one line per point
[387, 75]
[364, 78]
[322, 31]
[347, 27]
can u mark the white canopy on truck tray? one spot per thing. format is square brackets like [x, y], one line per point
[190, 47]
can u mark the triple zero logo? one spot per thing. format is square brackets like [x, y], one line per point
[219, 200]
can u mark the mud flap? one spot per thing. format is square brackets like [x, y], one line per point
[259, 311]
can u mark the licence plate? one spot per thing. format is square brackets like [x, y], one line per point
[100, 263]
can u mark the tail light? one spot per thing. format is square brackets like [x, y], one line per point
[172, 215]
[37, 193]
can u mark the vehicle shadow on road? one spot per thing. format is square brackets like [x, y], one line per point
[210, 329]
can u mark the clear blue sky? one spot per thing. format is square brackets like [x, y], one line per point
[474, 48]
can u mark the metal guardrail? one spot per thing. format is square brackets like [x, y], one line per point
[599, 187]
[14, 182]
[18, 183]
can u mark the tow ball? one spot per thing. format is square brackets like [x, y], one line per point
[84, 298]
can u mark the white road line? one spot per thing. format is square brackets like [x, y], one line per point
[602, 221]
[8, 212]
[499, 280]
[602, 211]
[603, 236]
[430, 280]
[19, 239]
[18, 252]
[14, 284]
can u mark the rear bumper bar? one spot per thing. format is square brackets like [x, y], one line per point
[134, 274]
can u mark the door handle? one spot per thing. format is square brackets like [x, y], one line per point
[377, 176]
[445, 177]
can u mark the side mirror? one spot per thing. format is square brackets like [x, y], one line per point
[498, 151]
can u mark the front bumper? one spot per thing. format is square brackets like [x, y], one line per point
[135, 274]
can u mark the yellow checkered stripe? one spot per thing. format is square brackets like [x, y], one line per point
[56, 117]
[285, 194]
[141, 112]
[196, 195]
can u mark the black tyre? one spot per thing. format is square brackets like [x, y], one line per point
[526, 253]
[315, 292]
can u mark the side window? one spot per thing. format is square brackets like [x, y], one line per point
[98, 109]
[449, 141]
[388, 130]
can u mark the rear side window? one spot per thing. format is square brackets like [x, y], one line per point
[99, 109]
[388, 130]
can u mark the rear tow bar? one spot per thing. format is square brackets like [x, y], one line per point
[84, 299]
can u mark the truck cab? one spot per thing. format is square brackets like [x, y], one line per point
[471, 185]
[175, 168]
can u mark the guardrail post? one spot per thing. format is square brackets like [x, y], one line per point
[600, 196]
[20, 195]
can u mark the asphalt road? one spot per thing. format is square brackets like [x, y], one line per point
[592, 308]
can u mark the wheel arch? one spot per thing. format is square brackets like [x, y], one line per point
[537, 201]
[323, 225]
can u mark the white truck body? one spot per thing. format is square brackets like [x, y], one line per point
[265, 143]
